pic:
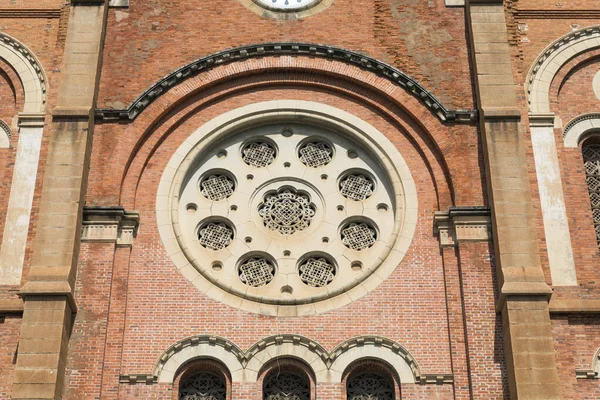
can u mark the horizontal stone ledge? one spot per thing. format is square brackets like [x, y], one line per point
[575, 306]
[49, 288]
[72, 113]
[501, 113]
[11, 306]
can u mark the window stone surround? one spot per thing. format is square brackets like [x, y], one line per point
[240, 119]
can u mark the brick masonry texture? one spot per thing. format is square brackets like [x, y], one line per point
[440, 304]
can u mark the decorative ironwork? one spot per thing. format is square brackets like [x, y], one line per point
[203, 386]
[286, 386]
[257, 272]
[215, 235]
[315, 154]
[258, 154]
[287, 211]
[369, 386]
[359, 236]
[591, 159]
[356, 187]
[317, 272]
[217, 187]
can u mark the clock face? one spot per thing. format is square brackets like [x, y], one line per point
[287, 5]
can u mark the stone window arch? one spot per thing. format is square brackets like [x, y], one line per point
[369, 379]
[287, 379]
[202, 379]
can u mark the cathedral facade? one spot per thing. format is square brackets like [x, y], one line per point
[299, 199]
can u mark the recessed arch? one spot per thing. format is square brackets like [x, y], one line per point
[5, 135]
[579, 128]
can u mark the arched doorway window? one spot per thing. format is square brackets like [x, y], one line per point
[369, 386]
[203, 386]
[591, 160]
[286, 386]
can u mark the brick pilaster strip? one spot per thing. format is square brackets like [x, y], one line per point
[531, 363]
[48, 292]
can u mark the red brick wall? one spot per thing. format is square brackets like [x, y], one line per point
[10, 328]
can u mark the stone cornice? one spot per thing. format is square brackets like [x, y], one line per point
[469, 224]
[298, 49]
[109, 224]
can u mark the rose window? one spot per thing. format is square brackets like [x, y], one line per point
[287, 211]
[283, 215]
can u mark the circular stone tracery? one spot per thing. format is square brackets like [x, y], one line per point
[287, 211]
[282, 256]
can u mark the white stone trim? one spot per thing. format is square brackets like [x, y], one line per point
[552, 59]
[31, 123]
[257, 9]
[370, 138]
[328, 367]
[579, 127]
[541, 120]
[5, 135]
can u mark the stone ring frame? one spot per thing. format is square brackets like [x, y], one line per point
[327, 366]
[406, 205]
[289, 15]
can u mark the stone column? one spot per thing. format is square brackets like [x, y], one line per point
[524, 295]
[48, 292]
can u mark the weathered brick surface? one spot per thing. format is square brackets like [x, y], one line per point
[439, 305]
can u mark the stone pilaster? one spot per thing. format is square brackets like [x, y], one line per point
[524, 295]
[48, 292]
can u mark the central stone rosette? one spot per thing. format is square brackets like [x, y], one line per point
[286, 211]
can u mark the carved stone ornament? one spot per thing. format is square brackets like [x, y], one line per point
[287, 211]
[109, 224]
[471, 224]
[257, 271]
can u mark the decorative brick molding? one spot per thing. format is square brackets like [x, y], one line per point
[298, 49]
[327, 366]
[579, 127]
[109, 224]
[4, 138]
[593, 372]
[469, 224]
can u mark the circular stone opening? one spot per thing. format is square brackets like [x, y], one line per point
[256, 271]
[191, 208]
[340, 208]
[287, 133]
[287, 210]
[381, 207]
[287, 164]
[233, 208]
[287, 253]
[222, 154]
[287, 290]
[325, 239]
[217, 185]
[324, 177]
[358, 235]
[316, 271]
[249, 177]
[356, 266]
[215, 235]
[352, 154]
[217, 266]
[248, 239]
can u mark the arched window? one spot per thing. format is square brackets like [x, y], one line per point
[369, 386]
[286, 386]
[203, 386]
[591, 159]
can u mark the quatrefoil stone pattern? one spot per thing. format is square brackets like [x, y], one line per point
[359, 236]
[356, 187]
[217, 187]
[256, 272]
[287, 211]
[215, 236]
[317, 272]
[315, 154]
[258, 154]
